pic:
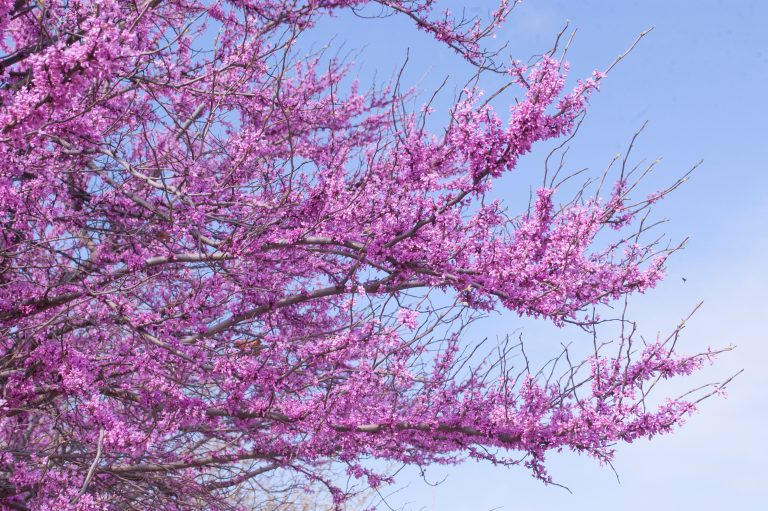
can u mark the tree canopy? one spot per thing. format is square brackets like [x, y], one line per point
[220, 258]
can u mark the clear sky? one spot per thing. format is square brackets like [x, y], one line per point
[700, 80]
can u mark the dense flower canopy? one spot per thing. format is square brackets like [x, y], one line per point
[220, 258]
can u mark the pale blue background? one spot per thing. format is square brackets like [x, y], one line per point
[700, 79]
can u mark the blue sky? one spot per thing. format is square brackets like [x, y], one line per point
[699, 79]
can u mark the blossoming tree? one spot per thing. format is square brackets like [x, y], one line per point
[221, 259]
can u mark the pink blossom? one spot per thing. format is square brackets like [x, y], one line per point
[408, 318]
